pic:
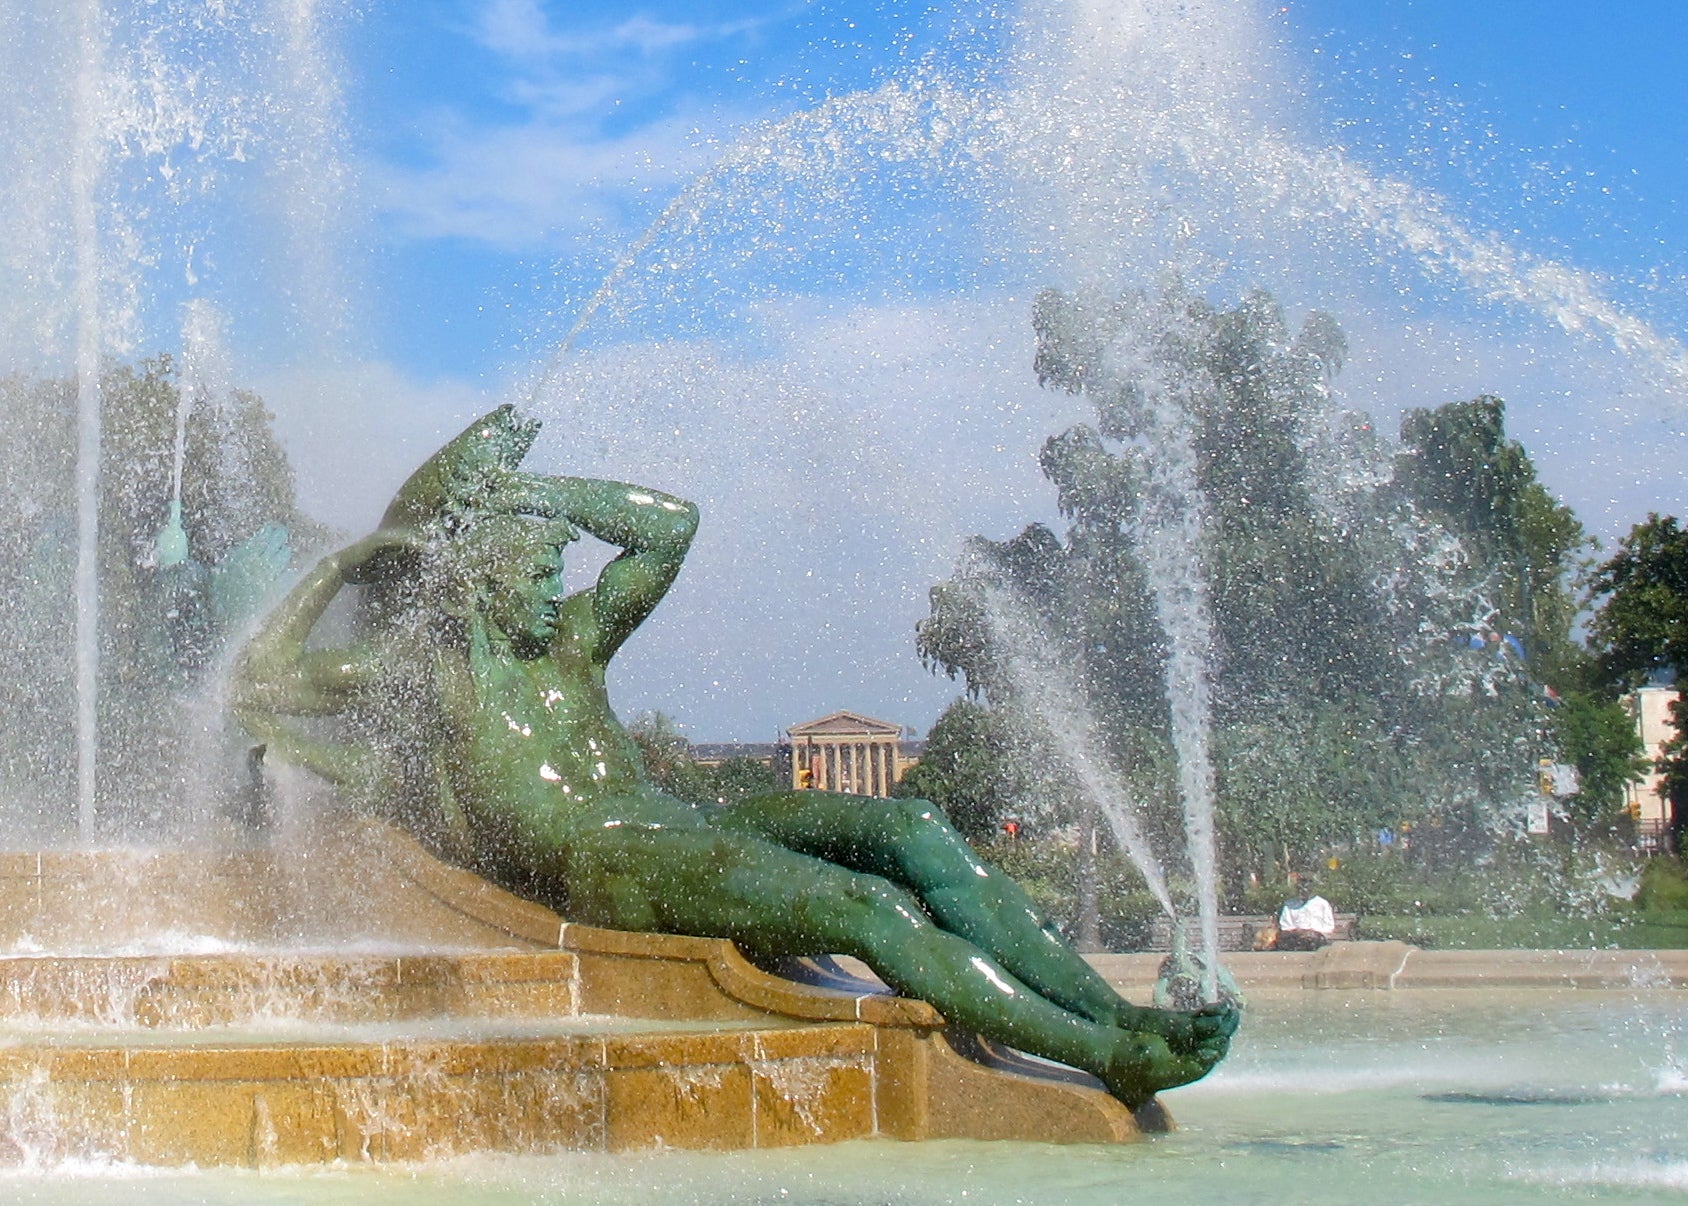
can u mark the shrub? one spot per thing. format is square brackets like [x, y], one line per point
[1664, 886]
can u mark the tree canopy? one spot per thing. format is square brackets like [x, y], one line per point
[1383, 619]
[1460, 469]
[1640, 632]
[671, 762]
[1641, 627]
[969, 769]
[162, 622]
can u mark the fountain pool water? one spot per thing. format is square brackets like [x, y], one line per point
[1329, 1097]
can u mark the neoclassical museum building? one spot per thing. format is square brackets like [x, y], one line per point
[842, 751]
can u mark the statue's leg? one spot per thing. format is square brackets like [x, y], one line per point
[774, 901]
[912, 843]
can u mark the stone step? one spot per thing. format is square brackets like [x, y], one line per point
[416, 1097]
[190, 991]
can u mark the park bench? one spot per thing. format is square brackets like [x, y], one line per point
[1236, 931]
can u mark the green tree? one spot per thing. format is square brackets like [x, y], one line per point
[969, 770]
[1641, 625]
[159, 625]
[1458, 467]
[668, 758]
[1360, 678]
[739, 778]
[1640, 631]
[1597, 735]
[37, 567]
[672, 763]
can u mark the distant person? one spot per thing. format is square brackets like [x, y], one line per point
[1305, 925]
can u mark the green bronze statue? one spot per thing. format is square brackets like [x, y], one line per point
[474, 697]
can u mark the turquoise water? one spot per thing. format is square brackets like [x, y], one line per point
[1442, 1097]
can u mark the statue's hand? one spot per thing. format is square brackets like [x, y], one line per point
[456, 477]
[1211, 1028]
[381, 556]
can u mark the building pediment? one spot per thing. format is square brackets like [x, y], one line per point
[845, 724]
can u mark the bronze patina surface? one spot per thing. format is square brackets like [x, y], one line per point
[473, 708]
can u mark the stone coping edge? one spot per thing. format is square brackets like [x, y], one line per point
[1398, 966]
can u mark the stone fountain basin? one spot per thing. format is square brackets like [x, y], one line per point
[352, 998]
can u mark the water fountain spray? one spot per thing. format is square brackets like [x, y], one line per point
[1168, 533]
[1048, 694]
[126, 141]
[88, 142]
[923, 121]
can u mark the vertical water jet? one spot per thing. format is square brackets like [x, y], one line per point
[87, 142]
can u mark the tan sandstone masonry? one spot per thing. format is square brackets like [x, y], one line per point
[466, 1020]
[1396, 965]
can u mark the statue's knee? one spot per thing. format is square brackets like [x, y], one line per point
[883, 904]
[913, 821]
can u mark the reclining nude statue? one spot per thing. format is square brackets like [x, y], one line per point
[472, 706]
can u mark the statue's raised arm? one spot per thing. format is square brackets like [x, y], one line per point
[652, 529]
[279, 675]
[477, 476]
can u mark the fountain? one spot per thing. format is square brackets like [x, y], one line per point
[1084, 153]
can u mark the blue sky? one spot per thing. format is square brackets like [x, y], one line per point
[826, 341]
[522, 145]
[835, 361]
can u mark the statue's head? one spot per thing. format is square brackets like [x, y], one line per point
[515, 568]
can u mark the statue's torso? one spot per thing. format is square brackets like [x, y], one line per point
[536, 749]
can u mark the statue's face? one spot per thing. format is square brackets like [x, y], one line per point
[527, 595]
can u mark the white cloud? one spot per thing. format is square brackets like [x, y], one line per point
[512, 27]
[539, 185]
[354, 432]
[521, 30]
[559, 169]
[839, 467]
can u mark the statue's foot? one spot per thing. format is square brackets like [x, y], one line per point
[1185, 1031]
[1143, 1064]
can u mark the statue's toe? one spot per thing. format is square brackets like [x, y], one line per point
[1143, 1065]
[1185, 1032]
[1215, 1021]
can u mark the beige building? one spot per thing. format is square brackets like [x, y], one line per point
[849, 752]
[1646, 798]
